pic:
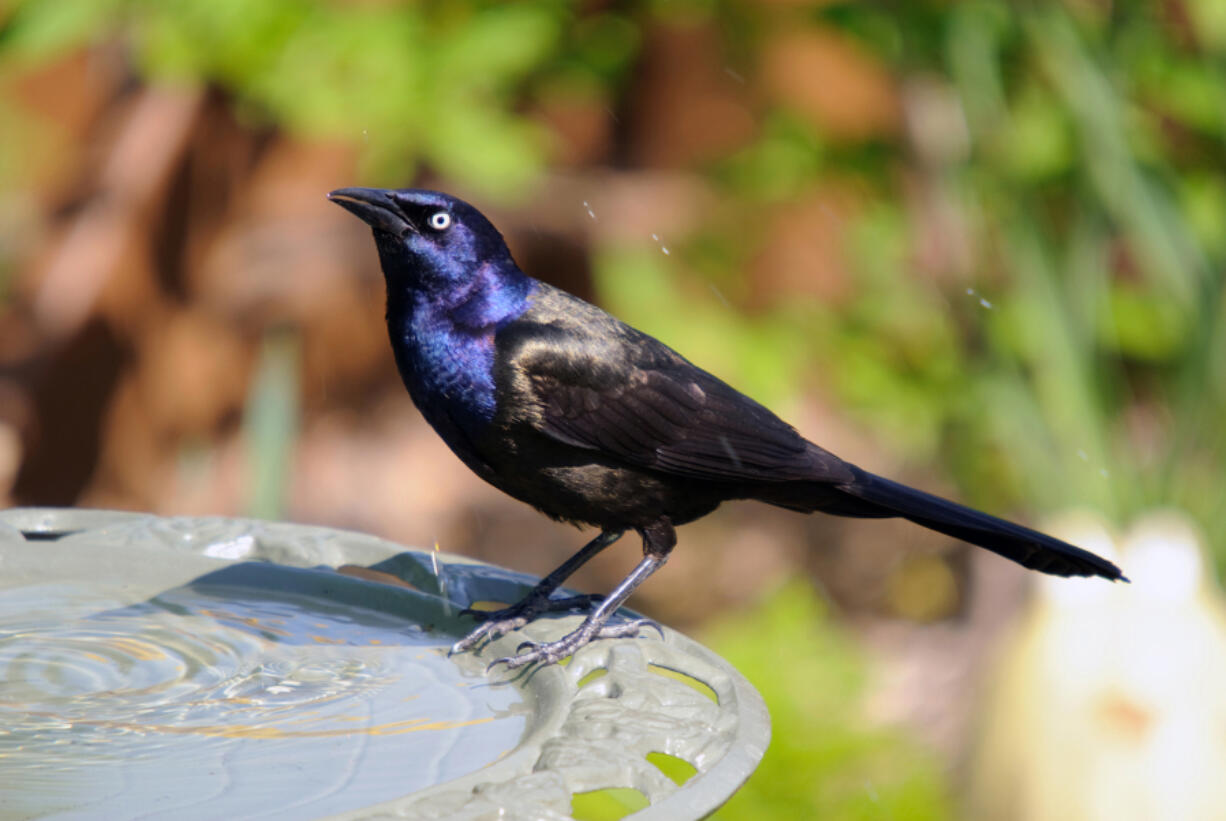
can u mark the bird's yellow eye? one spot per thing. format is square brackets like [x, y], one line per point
[440, 220]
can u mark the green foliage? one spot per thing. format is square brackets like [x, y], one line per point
[825, 760]
[607, 805]
[677, 769]
[779, 165]
[1082, 357]
[643, 285]
[435, 83]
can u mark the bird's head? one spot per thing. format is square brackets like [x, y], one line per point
[434, 239]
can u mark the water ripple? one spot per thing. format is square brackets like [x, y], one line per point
[214, 690]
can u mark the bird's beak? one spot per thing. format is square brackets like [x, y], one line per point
[374, 206]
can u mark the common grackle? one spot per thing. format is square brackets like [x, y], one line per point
[591, 421]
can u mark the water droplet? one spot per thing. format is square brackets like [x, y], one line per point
[442, 581]
[231, 548]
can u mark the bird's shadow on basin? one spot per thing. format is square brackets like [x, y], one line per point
[408, 599]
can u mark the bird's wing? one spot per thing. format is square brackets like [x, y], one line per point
[630, 397]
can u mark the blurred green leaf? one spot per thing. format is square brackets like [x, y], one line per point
[495, 44]
[39, 31]
[1143, 325]
[607, 805]
[825, 759]
[762, 357]
[606, 43]
[1203, 200]
[1209, 23]
[1036, 142]
[782, 163]
[407, 83]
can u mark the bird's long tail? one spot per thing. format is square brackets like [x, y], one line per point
[875, 496]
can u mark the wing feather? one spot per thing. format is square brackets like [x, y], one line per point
[642, 403]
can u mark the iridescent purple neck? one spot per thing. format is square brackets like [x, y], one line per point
[448, 343]
[492, 296]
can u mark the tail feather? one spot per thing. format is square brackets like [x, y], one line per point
[1029, 548]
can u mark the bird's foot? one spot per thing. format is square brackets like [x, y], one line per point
[554, 651]
[495, 623]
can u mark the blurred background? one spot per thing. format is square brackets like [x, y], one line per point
[976, 246]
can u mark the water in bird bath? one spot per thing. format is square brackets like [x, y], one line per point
[207, 700]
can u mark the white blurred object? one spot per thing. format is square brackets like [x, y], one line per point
[1110, 700]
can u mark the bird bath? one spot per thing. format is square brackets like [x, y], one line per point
[201, 668]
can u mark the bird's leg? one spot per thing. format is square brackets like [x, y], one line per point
[497, 622]
[658, 540]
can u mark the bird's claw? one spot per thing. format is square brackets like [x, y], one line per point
[496, 623]
[492, 629]
[552, 652]
[653, 625]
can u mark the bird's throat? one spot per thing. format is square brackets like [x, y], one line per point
[444, 346]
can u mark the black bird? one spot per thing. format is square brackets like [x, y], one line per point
[591, 421]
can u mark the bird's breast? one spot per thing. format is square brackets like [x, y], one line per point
[449, 376]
